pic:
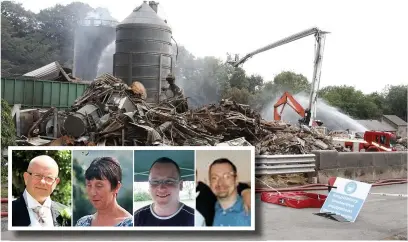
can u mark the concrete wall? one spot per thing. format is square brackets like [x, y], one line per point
[361, 166]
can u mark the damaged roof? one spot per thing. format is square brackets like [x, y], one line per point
[49, 72]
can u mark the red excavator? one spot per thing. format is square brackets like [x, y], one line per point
[287, 98]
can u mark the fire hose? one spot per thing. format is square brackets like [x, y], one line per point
[309, 187]
[320, 186]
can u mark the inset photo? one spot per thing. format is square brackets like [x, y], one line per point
[224, 191]
[41, 188]
[103, 188]
[164, 190]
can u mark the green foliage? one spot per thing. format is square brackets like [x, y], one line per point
[255, 83]
[353, 102]
[4, 192]
[238, 95]
[291, 82]
[396, 100]
[141, 196]
[81, 205]
[8, 131]
[239, 79]
[31, 40]
[21, 159]
[8, 136]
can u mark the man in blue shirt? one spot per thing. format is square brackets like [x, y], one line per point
[229, 209]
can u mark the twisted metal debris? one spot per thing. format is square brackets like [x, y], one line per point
[109, 113]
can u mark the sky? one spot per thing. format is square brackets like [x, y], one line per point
[366, 48]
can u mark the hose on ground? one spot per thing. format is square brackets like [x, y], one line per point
[319, 186]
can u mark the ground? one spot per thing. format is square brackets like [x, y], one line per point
[380, 218]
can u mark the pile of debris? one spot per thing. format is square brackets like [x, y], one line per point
[281, 181]
[402, 144]
[110, 113]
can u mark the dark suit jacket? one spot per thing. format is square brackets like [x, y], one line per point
[21, 218]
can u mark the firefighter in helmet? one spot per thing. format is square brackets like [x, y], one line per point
[174, 91]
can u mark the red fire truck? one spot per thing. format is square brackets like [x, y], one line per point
[374, 141]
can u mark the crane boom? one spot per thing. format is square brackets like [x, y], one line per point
[283, 41]
[320, 40]
[319, 49]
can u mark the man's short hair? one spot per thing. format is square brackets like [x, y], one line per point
[166, 160]
[105, 167]
[223, 161]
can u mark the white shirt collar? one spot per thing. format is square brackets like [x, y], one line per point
[32, 203]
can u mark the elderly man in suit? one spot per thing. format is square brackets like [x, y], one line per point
[34, 207]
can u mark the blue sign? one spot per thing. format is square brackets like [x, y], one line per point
[347, 199]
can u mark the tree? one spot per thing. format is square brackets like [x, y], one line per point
[291, 82]
[238, 95]
[396, 101]
[203, 79]
[351, 101]
[239, 79]
[82, 206]
[58, 24]
[379, 100]
[8, 136]
[31, 40]
[255, 83]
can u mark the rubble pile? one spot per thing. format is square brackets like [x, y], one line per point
[109, 113]
[402, 144]
[281, 181]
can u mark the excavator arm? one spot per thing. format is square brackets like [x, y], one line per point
[293, 104]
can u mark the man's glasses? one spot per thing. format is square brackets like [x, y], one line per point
[226, 176]
[164, 182]
[48, 179]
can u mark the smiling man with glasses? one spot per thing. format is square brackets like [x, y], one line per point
[165, 185]
[229, 208]
[34, 207]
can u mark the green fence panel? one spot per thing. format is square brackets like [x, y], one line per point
[41, 93]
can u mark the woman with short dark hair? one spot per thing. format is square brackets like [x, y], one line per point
[103, 182]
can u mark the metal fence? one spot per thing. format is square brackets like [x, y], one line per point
[32, 93]
[284, 164]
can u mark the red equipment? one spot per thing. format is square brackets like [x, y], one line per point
[305, 114]
[380, 141]
[294, 199]
[374, 141]
[283, 101]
